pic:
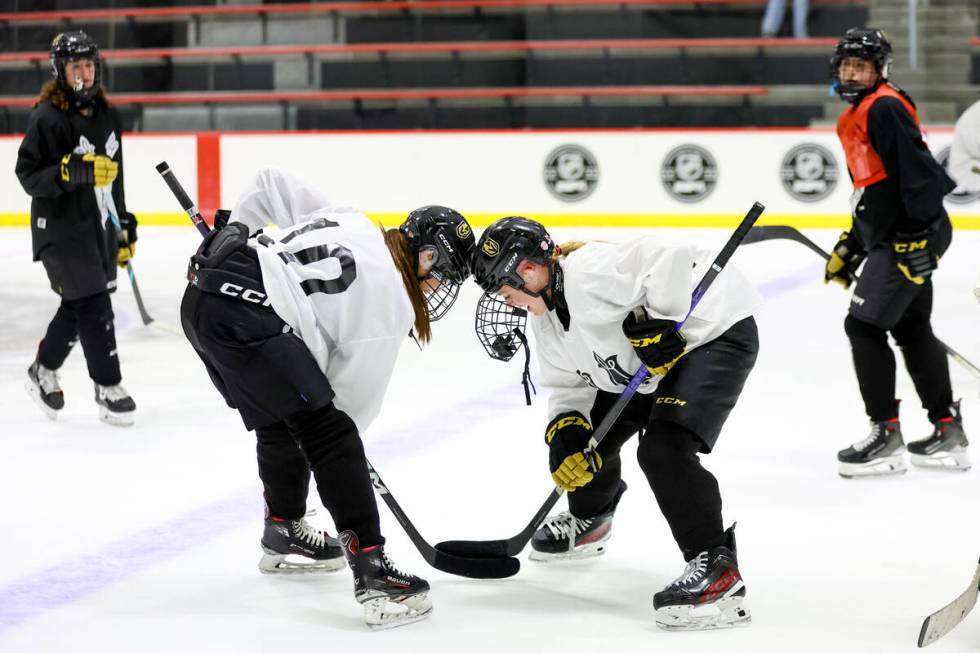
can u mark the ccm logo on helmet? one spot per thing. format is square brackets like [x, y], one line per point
[247, 294]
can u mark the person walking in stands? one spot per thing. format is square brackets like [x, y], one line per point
[299, 329]
[70, 163]
[900, 230]
[599, 311]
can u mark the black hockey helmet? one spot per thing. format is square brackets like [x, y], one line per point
[503, 246]
[72, 46]
[448, 235]
[869, 44]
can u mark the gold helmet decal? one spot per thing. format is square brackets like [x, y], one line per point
[463, 230]
[490, 247]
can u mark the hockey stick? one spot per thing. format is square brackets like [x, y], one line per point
[185, 201]
[514, 545]
[110, 205]
[477, 567]
[781, 232]
[942, 621]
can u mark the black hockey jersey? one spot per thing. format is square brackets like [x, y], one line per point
[64, 217]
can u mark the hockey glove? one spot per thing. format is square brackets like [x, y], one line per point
[571, 460]
[127, 239]
[656, 342]
[914, 256]
[844, 261]
[88, 170]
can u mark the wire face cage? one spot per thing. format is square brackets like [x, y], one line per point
[500, 327]
[438, 301]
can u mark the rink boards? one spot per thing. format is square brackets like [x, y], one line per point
[642, 177]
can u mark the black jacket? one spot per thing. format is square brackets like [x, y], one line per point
[66, 223]
[910, 199]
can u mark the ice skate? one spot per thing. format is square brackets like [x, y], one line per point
[880, 454]
[295, 546]
[946, 447]
[43, 387]
[116, 407]
[708, 595]
[390, 597]
[566, 537]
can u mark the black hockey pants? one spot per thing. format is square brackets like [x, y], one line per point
[682, 418]
[325, 441]
[925, 360]
[89, 320]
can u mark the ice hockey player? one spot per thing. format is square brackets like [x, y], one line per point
[70, 163]
[900, 230]
[299, 330]
[599, 311]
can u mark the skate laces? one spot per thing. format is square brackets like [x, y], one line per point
[304, 531]
[113, 392]
[694, 570]
[565, 525]
[876, 432]
[47, 379]
[390, 566]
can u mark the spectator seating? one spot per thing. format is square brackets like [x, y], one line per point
[433, 63]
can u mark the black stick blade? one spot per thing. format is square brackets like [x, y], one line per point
[473, 549]
[491, 567]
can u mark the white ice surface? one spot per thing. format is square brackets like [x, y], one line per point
[146, 539]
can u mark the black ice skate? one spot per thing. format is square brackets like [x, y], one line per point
[946, 447]
[708, 595]
[566, 537]
[43, 387]
[116, 407]
[295, 546]
[879, 454]
[390, 597]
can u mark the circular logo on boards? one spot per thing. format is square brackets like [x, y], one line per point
[809, 172]
[689, 173]
[571, 173]
[957, 195]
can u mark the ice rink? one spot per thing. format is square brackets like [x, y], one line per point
[147, 539]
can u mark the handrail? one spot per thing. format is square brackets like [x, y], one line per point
[348, 7]
[441, 46]
[235, 97]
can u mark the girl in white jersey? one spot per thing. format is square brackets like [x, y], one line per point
[599, 311]
[299, 330]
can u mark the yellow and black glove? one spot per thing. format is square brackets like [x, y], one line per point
[656, 342]
[845, 259]
[127, 239]
[914, 255]
[88, 170]
[126, 252]
[571, 460]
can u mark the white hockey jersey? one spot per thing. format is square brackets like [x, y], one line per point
[603, 283]
[329, 275]
[964, 155]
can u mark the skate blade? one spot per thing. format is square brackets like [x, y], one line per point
[116, 419]
[49, 412]
[955, 460]
[723, 613]
[882, 467]
[290, 563]
[583, 552]
[383, 613]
